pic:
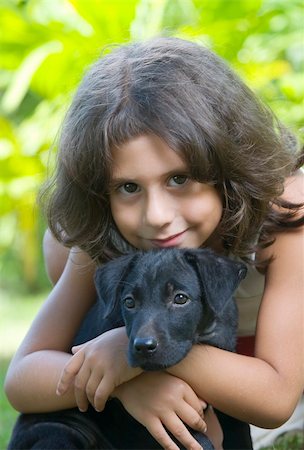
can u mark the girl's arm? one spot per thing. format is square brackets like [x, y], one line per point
[35, 369]
[55, 255]
[263, 390]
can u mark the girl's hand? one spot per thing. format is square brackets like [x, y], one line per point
[97, 368]
[160, 401]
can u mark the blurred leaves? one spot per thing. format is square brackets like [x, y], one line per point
[45, 47]
[22, 77]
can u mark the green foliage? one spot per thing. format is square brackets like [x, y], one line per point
[12, 330]
[45, 46]
[288, 441]
[292, 440]
[8, 414]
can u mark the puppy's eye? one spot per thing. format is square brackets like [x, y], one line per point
[181, 299]
[129, 302]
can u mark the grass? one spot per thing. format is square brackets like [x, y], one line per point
[291, 441]
[8, 415]
[16, 313]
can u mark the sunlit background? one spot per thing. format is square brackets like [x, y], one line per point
[45, 46]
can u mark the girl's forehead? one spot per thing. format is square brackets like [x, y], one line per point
[144, 153]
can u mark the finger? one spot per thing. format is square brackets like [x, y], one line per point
[80, 386]
[92, 386]
[203, 405]
[157, 430]
[192, 418]
[76, 348]
[69, 372]
[174, 424]
[192, 399]
[103, 392]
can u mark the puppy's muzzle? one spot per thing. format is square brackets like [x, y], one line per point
[145, 346]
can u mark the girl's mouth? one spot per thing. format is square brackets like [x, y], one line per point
[171, 241]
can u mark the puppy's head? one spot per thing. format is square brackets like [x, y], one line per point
[169, 299]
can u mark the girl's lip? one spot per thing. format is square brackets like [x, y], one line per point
[170, 241]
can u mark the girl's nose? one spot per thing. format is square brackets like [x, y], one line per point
[158, 210]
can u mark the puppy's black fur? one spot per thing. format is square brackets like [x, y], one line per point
[168, 299]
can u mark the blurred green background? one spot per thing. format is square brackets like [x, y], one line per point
[45, 47]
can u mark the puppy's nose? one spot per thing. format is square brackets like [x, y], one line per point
[145, 345]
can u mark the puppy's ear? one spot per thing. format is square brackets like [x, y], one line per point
[219, 276]
[109, 280]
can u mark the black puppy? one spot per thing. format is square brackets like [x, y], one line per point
[169, 300]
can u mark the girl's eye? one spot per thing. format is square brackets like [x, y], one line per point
[178, 180]
[129, 188]
[129, 302]
[181, 299]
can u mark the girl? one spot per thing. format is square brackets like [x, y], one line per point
[164, 146]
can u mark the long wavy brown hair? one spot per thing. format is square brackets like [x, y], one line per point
[190, 98]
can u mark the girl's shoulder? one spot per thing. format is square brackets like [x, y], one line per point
[288, 243]
[288, 239]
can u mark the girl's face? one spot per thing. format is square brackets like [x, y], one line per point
[155, 203]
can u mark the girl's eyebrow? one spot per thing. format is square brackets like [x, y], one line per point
[119, 181]
[131, 179]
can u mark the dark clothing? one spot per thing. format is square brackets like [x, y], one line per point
[236, 433]
[113, 428]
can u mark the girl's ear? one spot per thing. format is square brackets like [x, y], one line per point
[219, 276]
[109, 280]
